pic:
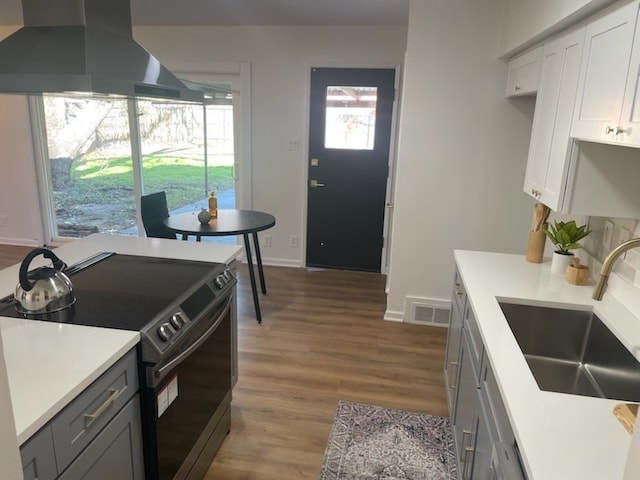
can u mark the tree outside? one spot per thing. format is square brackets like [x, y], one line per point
[91, 167]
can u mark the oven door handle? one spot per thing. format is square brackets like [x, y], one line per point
[160, 372]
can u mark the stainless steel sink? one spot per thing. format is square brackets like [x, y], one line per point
[572, 351]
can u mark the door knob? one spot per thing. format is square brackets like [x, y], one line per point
[315, 184]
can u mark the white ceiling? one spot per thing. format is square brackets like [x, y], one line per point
[250, 12]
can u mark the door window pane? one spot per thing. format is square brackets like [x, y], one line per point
[89, 153]
[350, 117]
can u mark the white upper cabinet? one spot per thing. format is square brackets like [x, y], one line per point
[630, 119]
[522, 73]
[550, 147]
[608, 85]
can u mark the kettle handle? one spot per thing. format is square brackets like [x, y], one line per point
[58, 264]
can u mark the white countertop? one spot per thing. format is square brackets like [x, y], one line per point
[48, 364]
[75, 251]
[560, 436]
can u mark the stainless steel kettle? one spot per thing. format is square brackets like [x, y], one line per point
[45, 289]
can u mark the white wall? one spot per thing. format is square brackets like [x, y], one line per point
[19, 202]
[462, 150]
[528, 21]
[20, 222]
[280, 59]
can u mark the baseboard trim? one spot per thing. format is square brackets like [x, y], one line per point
[19, 242]
[275, 262]
[394, 316]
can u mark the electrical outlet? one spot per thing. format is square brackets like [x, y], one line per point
[293, 241]
[266, 240]
[608, 234]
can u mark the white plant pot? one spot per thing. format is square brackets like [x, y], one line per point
[560, 262]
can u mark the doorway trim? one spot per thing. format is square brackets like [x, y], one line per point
[393, 142]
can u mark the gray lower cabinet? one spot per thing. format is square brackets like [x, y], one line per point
[465, 419]
[452, 359]
[116, 453]
[483, 448]
[98, 435]
[38, 457]
[476, 408]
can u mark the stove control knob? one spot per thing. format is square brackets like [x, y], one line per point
[220, 281]
[177, 321]
[165, 332]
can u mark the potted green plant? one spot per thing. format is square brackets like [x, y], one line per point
[565, 236]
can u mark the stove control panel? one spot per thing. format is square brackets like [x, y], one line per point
[181, 321]
[224, 278]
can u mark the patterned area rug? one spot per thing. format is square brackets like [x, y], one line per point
[368, 442]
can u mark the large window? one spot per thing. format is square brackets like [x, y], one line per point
[185, 150]
[89, 157]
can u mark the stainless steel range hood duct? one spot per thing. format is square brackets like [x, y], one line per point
[83, 46]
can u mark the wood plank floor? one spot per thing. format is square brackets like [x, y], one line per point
[322, 340]
[12, 254]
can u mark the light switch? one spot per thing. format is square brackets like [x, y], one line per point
[314, 162]
[294, 145]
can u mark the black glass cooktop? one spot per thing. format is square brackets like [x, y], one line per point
[123, 291]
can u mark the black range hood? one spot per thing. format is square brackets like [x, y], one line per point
[83, 46]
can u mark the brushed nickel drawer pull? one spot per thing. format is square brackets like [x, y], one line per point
[467, 451]
[89, 418]
[453, 386]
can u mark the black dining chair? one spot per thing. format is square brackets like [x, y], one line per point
[153, 209]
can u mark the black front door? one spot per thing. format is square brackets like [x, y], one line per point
[349, 138]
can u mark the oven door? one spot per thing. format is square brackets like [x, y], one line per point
[188, 408]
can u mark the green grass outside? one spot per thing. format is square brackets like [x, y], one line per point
[100, 190]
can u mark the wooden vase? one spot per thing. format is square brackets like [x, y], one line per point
[577, 274]
[535, 248]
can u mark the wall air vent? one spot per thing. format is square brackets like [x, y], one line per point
[424, 311]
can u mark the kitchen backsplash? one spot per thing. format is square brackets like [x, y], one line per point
[627, 266]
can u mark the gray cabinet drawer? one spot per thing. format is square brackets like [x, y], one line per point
[471, 358]
[494, 404]
[459, 293]
[74, 427]
[475, 339]
[38, 458]
[116, 453]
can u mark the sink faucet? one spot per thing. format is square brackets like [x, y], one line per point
[607, 265]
